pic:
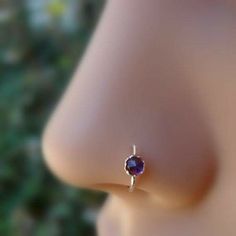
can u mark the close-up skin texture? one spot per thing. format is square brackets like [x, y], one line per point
[160, 75]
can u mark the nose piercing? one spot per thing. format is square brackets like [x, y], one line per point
[134, 166]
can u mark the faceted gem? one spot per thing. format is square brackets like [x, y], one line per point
[134, 165]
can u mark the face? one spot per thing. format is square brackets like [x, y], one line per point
[162, 80]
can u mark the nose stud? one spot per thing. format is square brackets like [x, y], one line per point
[134, 166]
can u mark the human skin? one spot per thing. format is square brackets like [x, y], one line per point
[161, 75]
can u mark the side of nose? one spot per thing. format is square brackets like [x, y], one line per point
[92, 131]
[124, 93]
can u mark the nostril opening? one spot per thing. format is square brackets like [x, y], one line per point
[119, 189]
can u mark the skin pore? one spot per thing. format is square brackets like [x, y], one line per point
[159, 74]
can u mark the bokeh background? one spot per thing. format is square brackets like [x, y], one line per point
[41, 42]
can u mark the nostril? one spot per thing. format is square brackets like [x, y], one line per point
[120, 189]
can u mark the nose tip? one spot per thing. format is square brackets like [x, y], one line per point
[83, 156]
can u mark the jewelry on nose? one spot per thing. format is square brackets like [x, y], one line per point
[134, 166]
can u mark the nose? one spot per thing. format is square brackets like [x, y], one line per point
[86, 139]
[123, 94]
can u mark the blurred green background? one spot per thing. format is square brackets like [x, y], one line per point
[41, 42]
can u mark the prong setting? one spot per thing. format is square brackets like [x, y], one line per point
[134, 166]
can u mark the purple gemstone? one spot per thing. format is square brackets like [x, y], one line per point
[134, 165]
